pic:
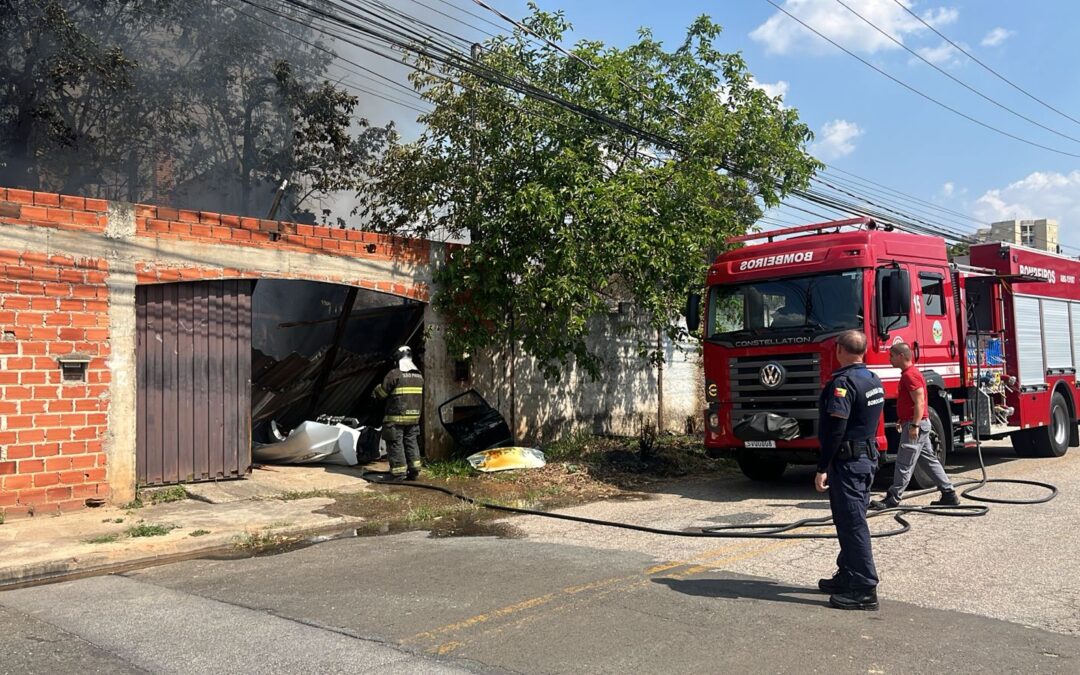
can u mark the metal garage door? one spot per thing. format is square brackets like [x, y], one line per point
[194, 381]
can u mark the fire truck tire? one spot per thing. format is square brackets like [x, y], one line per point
[756, 467]
[919, 479]
[1053, 439]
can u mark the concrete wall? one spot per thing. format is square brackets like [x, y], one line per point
[541, 411]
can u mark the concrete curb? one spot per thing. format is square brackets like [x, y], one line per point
[114, 562]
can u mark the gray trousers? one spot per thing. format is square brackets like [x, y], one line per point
[402, 447]
[921, 453]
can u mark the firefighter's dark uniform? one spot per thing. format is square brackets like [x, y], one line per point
[404, 394]
[849, 410]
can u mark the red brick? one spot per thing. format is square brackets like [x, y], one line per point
[46, 199]
[58, 434]
[202, 231]
[48, 449]
[71, 504]
[32, 377]
[58, 464]
[58, 493]
[8, 499]
[73, 448]
[99, 205]
[33, 407]
[31, 466]
[20, 422]
[57, 319]
[20, 451]
[95, 474]
[35, 213]
[20, 196]
[219, 232]
[84, 218]
[18, 482]
[17, 393]
[72, 334]
[36, 496]
[209, 218]
[30, 287]
[189, 216]
[250, 223]
[73, 276]
[61, 406]
[83, 461]
[230, 221]
[94, 334]
[58, 289]
[7, 468]
[72, 477]
[61, 215]
[70, 202]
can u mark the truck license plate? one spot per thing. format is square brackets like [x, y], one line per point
[761, 444]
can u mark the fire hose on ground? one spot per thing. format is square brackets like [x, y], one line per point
[777, 530]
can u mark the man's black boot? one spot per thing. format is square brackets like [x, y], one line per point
[887, 503]
[949, 498]
[837, 583]
[413, 474]
[864, 600]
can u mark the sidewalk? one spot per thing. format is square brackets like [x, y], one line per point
[217, 519]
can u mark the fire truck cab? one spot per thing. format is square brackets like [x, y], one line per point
[997, 340]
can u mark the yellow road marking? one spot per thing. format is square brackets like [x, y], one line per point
[702, 562]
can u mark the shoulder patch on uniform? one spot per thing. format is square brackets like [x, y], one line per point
[839, 392]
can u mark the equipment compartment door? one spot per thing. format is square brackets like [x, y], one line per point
[935, 311]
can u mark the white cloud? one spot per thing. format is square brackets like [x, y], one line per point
[948, 189]
[783, 35]
[779, 88]
[1042, 194]
[942, 55]
[996, 37]
[836, 139]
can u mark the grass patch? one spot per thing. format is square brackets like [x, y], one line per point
[571, 448]
[133, 504]
[166, 495]
[150, 530]
[293, 495]
[422, 514]
[104, 539]
[113, 520]
[256, 540]
[198, 533]
[450, 468]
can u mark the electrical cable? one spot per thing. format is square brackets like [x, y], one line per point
[952, 77]
[971, 56]
[917, 92]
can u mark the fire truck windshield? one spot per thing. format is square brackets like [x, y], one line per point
[786, 307]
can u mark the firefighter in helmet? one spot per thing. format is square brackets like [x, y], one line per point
[403, 390]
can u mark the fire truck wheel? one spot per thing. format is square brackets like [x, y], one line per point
[1053, 440]
[756, 467]
[919, 479]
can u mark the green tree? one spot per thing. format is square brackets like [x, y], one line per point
[565, 214]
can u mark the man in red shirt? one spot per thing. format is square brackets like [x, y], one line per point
[913, 418]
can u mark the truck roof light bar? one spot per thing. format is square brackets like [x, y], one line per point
[857, 223]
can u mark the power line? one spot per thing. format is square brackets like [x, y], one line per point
[394, 35]
[952, 77]
[917, 92]
[971, 56]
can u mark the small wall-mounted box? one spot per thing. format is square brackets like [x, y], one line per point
[73, 367]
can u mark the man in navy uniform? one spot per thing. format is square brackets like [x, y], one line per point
[403, 389]
[849, 412]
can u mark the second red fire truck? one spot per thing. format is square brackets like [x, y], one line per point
[996, 336]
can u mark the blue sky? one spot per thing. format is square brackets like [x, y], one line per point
[873, 127]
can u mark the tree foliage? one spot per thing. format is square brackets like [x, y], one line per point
[565, 215]
[189, 101]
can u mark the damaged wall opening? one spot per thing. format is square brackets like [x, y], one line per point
[225, 365]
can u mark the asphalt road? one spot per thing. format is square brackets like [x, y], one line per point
[993, 594]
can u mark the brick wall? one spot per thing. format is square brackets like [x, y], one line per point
[51, 431]
[55, 295]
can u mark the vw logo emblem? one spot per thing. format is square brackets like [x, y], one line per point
[772, 375]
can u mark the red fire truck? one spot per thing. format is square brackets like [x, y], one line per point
[997, 338]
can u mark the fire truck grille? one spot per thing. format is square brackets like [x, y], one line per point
[795, 397]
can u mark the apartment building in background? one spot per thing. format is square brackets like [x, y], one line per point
[1041, 233]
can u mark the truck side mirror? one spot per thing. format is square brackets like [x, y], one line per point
[895, 293]
[693, 312]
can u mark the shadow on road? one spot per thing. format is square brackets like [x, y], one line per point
[734, 589]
